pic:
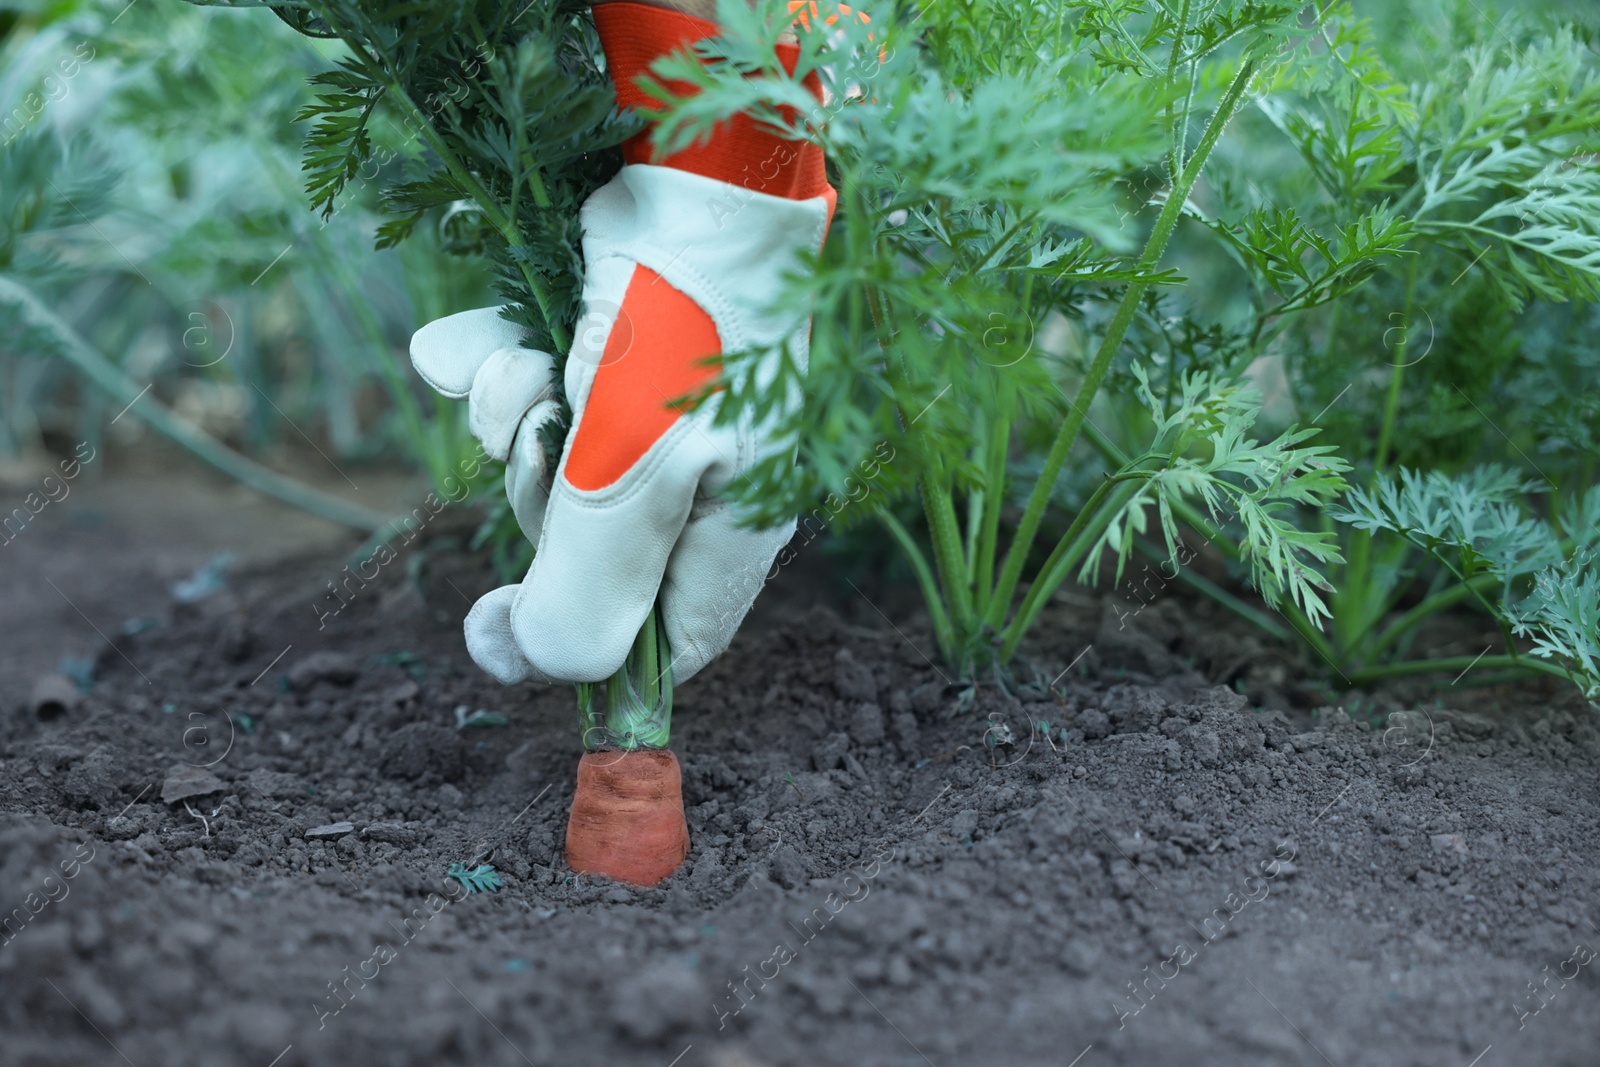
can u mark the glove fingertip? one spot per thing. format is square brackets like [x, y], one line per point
[447, 352]
[491, 642]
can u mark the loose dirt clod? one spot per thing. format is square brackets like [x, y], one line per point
[422, 750]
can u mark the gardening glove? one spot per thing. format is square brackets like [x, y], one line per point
[679, 267]
[478, 356]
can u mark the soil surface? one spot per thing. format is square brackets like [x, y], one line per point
[1202, 858]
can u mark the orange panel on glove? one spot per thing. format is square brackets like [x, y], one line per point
[656, 352]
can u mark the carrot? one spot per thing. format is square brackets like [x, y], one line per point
[627, 816]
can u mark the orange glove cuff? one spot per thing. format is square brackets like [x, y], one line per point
[739, 152]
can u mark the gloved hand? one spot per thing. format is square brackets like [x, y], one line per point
[679, 267]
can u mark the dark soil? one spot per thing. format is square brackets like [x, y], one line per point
[876, 877]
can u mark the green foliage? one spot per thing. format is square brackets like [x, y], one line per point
[481, 879]
[1487, 153]
[491, 122]
[1406, 222]
[517, 126]
[983, 159]
[517, 120]
[1562, 616]
[44, 184]
[1304, 269]
[1269, 480]
[1399, 220]
[1529, 573]
[1094, 261]
[1470, 522]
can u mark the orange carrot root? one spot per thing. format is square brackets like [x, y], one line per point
[627, 817]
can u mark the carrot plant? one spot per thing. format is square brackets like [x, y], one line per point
[1431, 215]
[1002, 170]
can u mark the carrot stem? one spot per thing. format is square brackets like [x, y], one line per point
[638, 704]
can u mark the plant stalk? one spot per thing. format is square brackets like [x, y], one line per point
[1155, 246]
[1069, 549]
[1430, 606]
[947, 554]
[942, 631]
[994, 499]
[1391, 406]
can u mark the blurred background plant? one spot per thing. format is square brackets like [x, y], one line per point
[152, 207]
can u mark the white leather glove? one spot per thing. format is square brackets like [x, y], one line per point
[679, 267]
[477, 356]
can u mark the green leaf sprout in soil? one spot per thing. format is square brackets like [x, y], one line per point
[480, 717]
[481, 879]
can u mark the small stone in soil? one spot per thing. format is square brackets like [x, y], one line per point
[905, 730]
[830, 752]
[331, 831]
[787, 868]
[53, 696]
[185, 781]
[275, 784]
